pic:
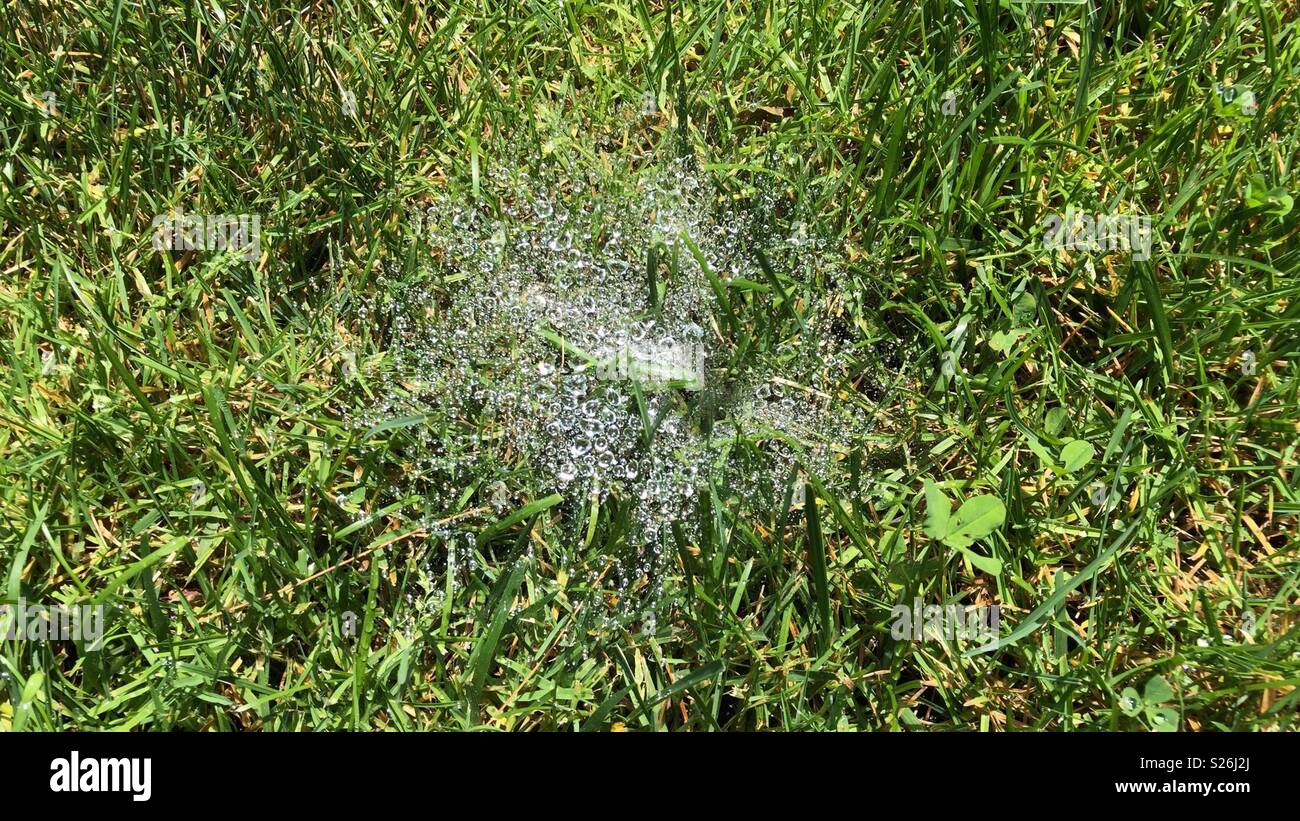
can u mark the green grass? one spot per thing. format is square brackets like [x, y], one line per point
[174, 434]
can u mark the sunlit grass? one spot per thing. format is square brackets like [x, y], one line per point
[182, 437]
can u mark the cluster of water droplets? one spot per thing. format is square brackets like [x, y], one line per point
[561, 334]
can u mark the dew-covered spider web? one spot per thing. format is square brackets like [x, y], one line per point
[591, 332]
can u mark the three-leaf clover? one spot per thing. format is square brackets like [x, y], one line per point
[1075, 454]
[1275, 201]
[1022, 317]
[1151, 703]
[976, 518]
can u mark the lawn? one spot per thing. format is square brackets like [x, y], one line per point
[638, 366]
